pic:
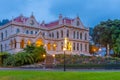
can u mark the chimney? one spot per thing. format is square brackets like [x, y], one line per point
[60, 19]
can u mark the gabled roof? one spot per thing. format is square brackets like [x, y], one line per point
[55, 23]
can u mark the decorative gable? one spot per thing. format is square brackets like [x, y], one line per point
[32, 22]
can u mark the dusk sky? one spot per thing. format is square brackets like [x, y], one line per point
[91, 12]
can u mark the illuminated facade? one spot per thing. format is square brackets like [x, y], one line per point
[22, 31]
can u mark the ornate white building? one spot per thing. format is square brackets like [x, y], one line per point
[22, 31]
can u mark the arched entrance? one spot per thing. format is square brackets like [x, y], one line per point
[39, 42]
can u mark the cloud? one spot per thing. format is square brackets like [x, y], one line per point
[91, 12]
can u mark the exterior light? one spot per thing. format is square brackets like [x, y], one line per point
[44, 55]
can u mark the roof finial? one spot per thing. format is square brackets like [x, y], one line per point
[32, 15]
[60, 15]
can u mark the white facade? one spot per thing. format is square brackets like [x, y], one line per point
[19, 32]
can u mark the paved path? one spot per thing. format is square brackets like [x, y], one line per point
[81, 70]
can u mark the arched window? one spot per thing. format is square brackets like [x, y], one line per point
[57, 34]
[1, 48]
[81, 35]
[28, 42]
[48, 46]
[85, 47]
[11, 44]
[22, 43]
[27, 32]
[5, 46]
[81, 46]
[6, 33]
[54, 46]
[18, 30]
[67, 33]
[52, 35]
[61, 45]
[77, 35]
[39, 42]
[2, 36]
[85, 36]
[61, 33]
[31, 32]
[15, 44]
[74, 34]
[73, 46]
[78, 46]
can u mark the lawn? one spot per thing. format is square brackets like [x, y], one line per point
[57, 75]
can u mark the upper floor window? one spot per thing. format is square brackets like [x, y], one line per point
[27, 32]
[31, 32]
[67, 33]
[35, 32]
[57, 34]
[77, 46]
[61, 33]
[80, 35]
[49, 34]
[18, 30]
[6, 33]
[73, 46]
[74, 34]
[85, 36]
[2, 36]
[77, 35]
[52, 35]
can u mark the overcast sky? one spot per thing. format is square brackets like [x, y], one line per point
[91, 12]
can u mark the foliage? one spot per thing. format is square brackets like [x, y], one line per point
[30, 55]
[107, 32]
[4, 21]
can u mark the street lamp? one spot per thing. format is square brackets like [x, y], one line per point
[64, 49]
[44, 56]
[54, 62]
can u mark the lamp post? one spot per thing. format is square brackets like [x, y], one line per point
[44, 56]
[64, 59]
[64, 49]
[54, 62]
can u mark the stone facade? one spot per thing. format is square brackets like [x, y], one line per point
[22, 31]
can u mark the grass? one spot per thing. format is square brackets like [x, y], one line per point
[57, 75]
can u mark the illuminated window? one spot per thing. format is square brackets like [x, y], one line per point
[15, 44]
[61, 45]
[22, 44]
[11, 44]
[28, 42]
[54, 46]
[49, 46]
[39, 42]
